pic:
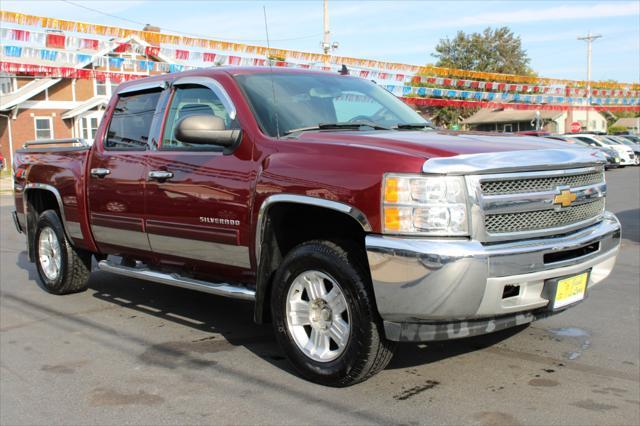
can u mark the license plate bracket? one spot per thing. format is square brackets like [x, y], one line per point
[567, 290]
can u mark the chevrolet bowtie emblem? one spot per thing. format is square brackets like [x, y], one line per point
[564, 198]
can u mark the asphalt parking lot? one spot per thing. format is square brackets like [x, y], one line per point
[131, 352]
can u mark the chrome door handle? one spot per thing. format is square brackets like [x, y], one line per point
[160, 175]
[100, 173]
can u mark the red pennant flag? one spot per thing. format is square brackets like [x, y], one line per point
[182, 55]
[234, 60]
[208, 57]
[20, 35]
[122, 47]
[89, 43]
[152, 51]
[55, 41]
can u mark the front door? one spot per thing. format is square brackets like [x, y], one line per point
[117, 173]
[197, 196]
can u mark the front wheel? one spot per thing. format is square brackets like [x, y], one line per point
[325, 317]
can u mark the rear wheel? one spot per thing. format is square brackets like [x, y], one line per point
[325, 317]
[61, 268]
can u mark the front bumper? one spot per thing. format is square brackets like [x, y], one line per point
[428, 289]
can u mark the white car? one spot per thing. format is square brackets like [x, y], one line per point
[627, 156]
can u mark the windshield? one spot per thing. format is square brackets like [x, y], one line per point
[625, 141]
[284, 102]
[607, 141]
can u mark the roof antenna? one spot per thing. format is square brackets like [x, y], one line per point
[273, 85]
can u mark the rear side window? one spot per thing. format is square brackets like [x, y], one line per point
[193, 100]
[131, 121]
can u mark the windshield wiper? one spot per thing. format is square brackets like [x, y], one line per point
[356, 125]
[405, 126]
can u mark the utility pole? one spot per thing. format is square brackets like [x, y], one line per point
[326, 37]
[326, 44]
[589, 38]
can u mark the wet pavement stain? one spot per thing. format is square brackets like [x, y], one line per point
[496, 418]
[64, 368]
[180, 354]
[543, 382]
[583, 337]
[411, 392]
[110, 397]
[589, 404]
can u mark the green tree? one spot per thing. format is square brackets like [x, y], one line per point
[494, 50]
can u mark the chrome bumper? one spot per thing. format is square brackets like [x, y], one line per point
[446, 288]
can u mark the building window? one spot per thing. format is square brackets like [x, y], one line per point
[44, 128]
[89, 127]
[7, 83]
[105, 88]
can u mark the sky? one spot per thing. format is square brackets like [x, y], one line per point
[397, 31]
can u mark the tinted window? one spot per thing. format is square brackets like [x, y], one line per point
[131, 121]
[188, 101]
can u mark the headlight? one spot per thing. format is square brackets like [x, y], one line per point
[422, 205]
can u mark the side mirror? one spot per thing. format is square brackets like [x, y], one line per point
[206, 130]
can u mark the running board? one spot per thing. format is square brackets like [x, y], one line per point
[219, 289]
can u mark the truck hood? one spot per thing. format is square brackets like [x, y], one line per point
[428, 144]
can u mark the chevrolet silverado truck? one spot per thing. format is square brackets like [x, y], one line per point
[344, 216]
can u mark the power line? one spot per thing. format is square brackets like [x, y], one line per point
[182, 32]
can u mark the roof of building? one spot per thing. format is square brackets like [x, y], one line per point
[26, 92]
[86, 106]
[629, 123]
[509, 115]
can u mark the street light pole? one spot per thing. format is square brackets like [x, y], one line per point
[589, 38]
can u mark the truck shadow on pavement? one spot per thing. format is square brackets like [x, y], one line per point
[630, 224]
[233, 320]
[227, 323]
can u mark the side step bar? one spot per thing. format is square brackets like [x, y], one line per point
[219, 289]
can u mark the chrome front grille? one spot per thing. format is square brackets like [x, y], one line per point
[539, 184]
[542, 219]
[530, 204]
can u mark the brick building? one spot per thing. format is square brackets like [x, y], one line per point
[34, 108]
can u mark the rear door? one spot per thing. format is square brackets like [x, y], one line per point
[117, 173]
[198, 196]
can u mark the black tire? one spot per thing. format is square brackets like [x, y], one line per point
[75, 265]
[367, 351]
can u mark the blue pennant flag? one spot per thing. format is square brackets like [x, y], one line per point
[83, 58]
[175, 68]
[14, 51]
[48, 55]
[116, 62]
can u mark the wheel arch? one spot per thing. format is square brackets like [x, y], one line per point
[38, 197]
[270, 250]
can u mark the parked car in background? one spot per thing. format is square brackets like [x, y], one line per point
[627, 156]
[612, 156]
[632, 138]
[635, 146]
[1, 162]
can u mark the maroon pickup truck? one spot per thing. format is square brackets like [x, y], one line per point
[346, 218]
